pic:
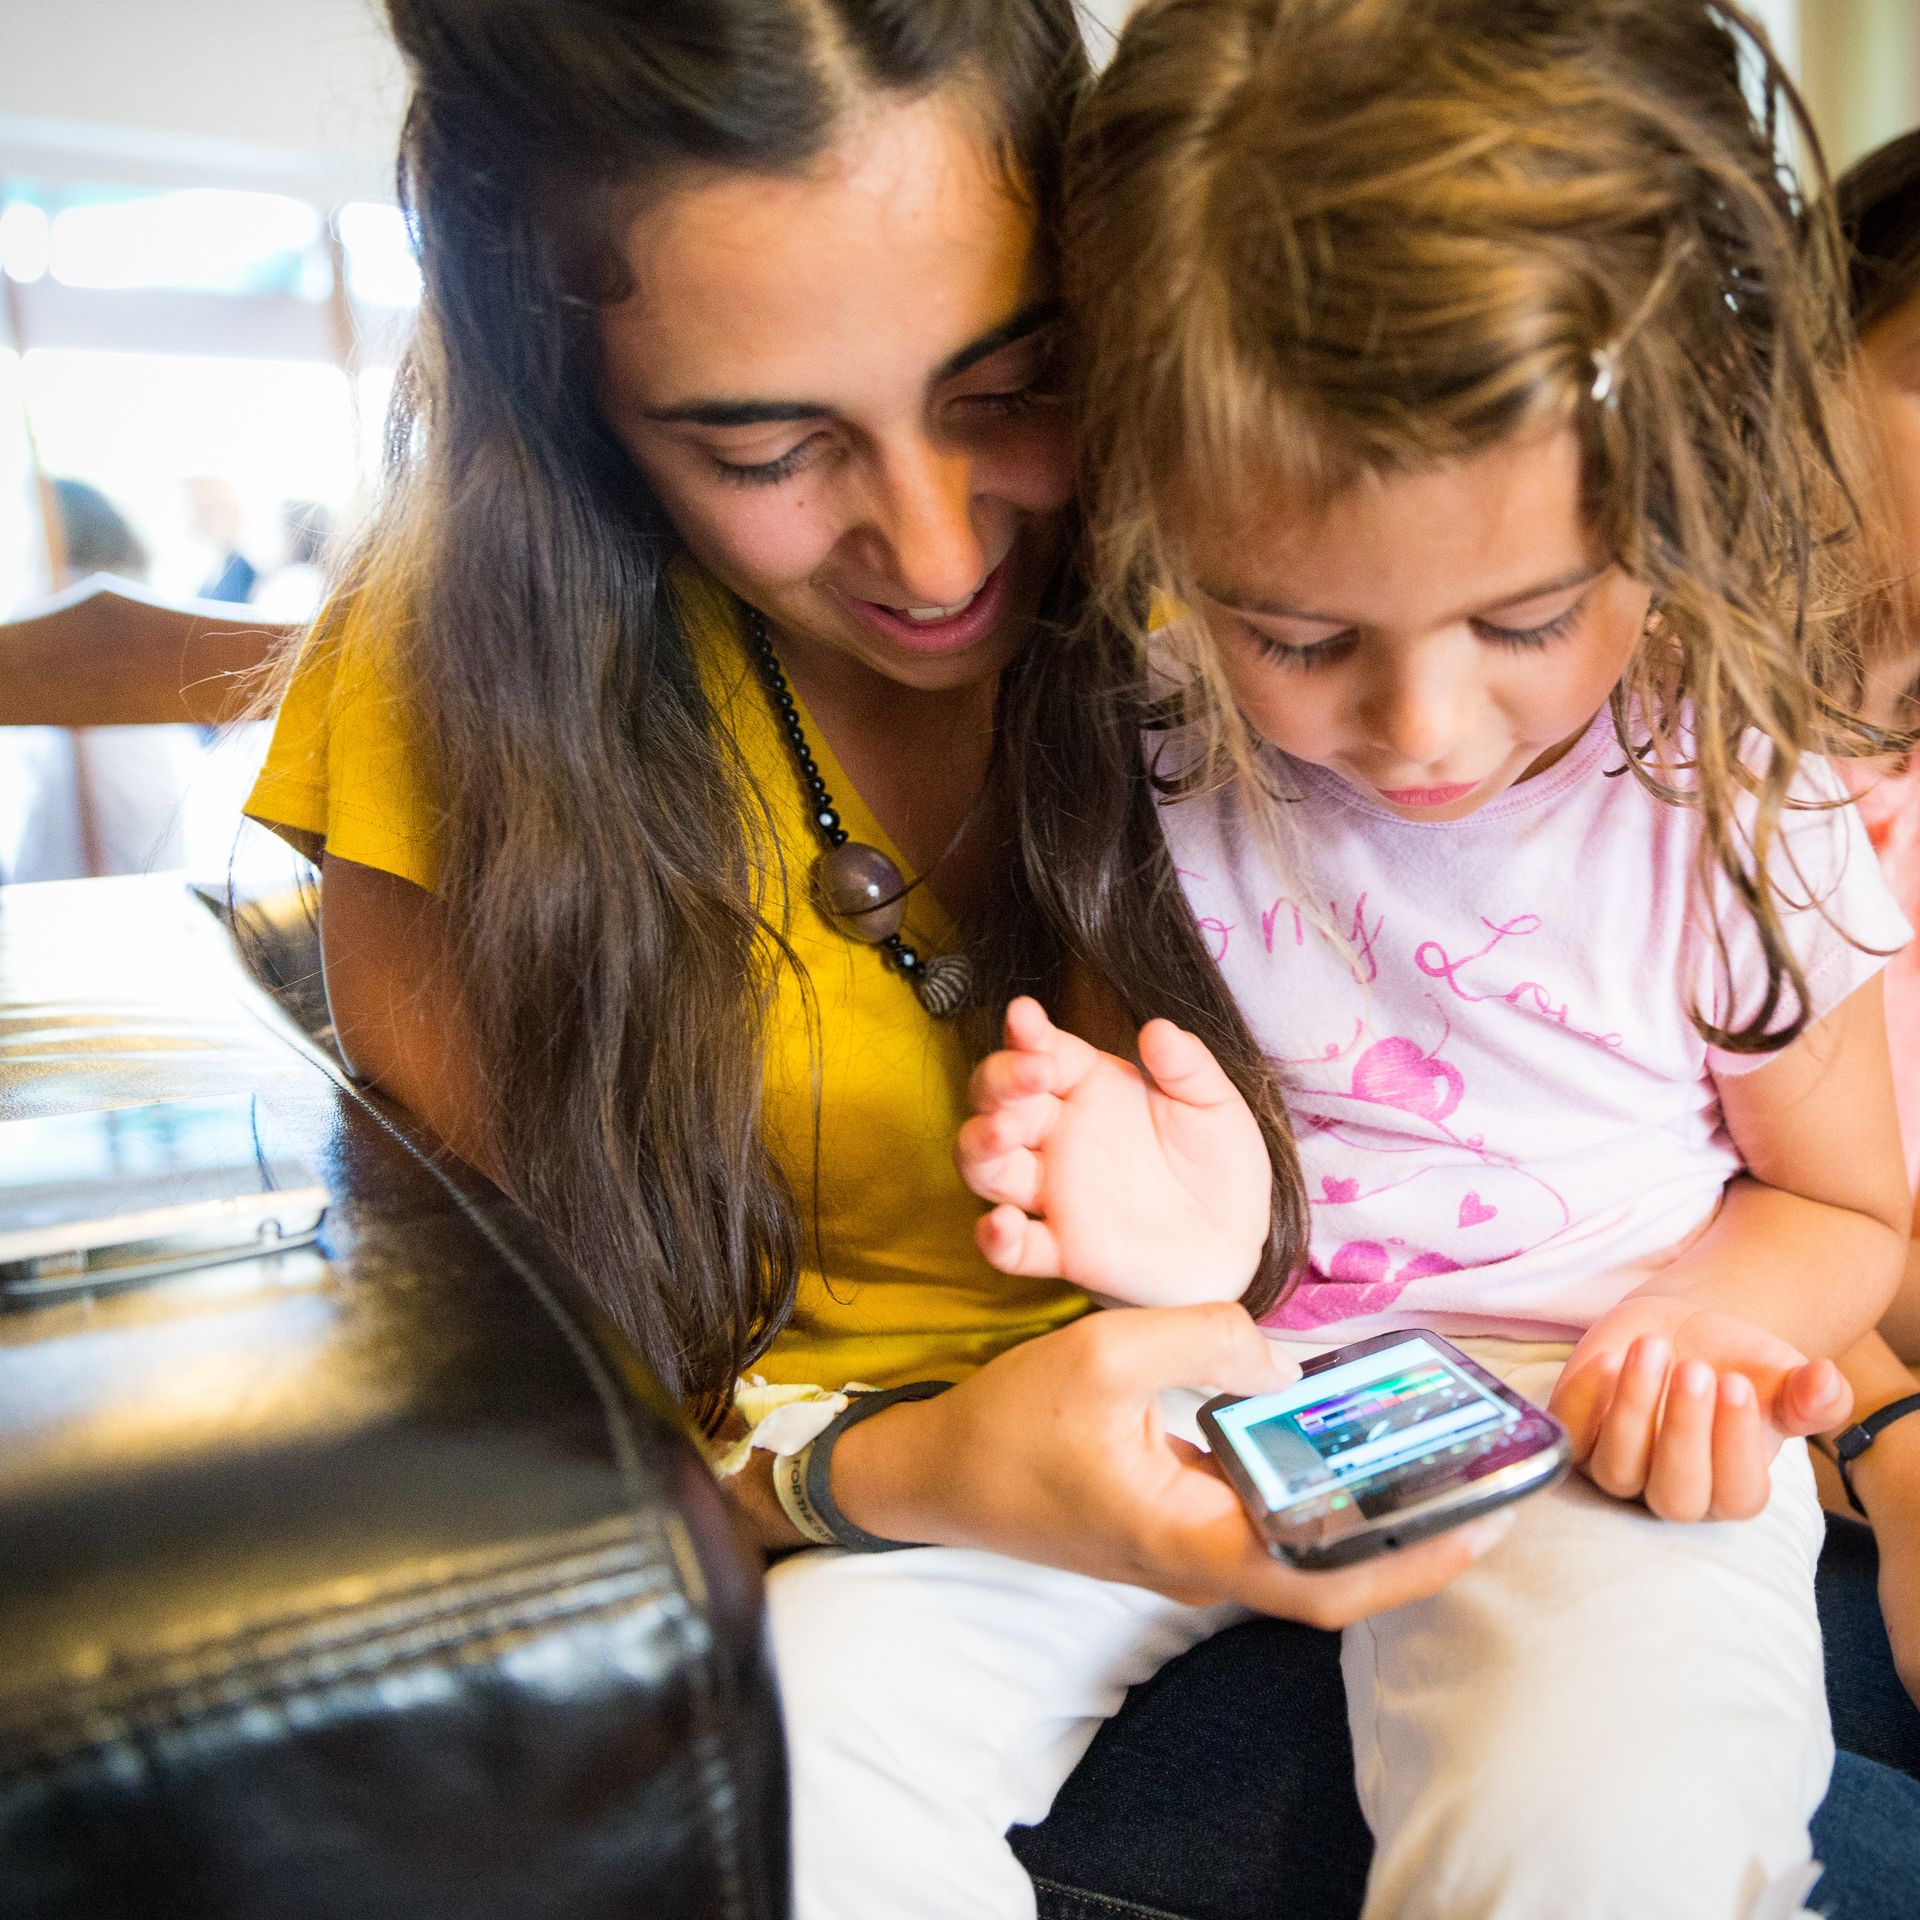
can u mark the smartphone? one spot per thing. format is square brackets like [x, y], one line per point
[1380, 1444]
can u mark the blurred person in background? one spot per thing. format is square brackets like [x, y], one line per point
[214, 514]
[96, 534]
[291, 593]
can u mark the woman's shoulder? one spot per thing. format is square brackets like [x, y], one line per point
[349, 770]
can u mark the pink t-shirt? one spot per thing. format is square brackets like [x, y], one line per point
[1505, 1117]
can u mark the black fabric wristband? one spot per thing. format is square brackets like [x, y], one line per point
[814, 1480]
[1853, 1441]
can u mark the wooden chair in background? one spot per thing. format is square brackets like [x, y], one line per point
[108, 653]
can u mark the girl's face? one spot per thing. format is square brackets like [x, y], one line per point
[1434, 638]
[1890, 365]
[840, 386]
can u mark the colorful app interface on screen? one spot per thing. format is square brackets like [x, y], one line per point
[1403, 1407]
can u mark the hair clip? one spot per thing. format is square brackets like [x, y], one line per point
[1605, 366]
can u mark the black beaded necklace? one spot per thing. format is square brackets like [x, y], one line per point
[862, 894]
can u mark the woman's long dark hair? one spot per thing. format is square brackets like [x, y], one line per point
[611, 889]
[614, 904]
[1095, 893]
[614, 898]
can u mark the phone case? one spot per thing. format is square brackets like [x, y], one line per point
[1454, 1505]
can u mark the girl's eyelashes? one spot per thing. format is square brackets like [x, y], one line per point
[1537, 636]
[1325, 653]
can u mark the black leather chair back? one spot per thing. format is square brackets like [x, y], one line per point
[369, 1579]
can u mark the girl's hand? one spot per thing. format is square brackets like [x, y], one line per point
[1685, 1406]
[1055, 1452]
[1150, 1187]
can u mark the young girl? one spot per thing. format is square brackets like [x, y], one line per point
[1468, 401]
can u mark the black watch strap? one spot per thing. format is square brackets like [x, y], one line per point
[1850, 1443]
[816, 1462]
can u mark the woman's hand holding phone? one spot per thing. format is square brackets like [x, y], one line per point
[1150, 1187]
[1055, 1452]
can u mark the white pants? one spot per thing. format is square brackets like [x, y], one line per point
[1607, 1717]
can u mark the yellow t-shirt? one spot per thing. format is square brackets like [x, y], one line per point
[904, 1294]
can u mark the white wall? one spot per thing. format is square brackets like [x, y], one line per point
[1104, 19]
[303, 95]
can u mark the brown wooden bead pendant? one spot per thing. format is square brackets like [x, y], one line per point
[859, 890]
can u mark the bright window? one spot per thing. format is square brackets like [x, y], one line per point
[382, 268]
[197, 239]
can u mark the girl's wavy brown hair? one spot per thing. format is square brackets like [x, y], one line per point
[1315, 240]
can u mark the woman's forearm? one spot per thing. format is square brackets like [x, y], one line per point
[751, 1493]
[394, 995]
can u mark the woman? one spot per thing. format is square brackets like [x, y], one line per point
[742, 307]
[738, 323]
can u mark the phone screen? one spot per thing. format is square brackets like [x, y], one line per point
[1404, 1412]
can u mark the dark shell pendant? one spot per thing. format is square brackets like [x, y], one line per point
[861, 893]
[944, 984]
[864, 896]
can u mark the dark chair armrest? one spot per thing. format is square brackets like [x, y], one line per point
[372, 1579]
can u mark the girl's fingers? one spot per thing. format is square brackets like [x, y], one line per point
[1020, 1123]
[1010, 1175]
[1624, 1449]
[1028, 1026]
[1580, 1401]
[1014, 1243]
[1183, 1068]
[1003, 1078]
[1030, 1031]
[1680, 1479]
[1812, 1399]
[1740, 1451]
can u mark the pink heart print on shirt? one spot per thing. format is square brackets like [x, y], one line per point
[1474, 1212]
[1401, 1073]
[1356, 1284]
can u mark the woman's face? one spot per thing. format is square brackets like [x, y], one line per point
[1433, 637]
[840, 387]
[1890, 366]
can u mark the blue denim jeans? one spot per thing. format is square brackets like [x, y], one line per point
[1223, 1789]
